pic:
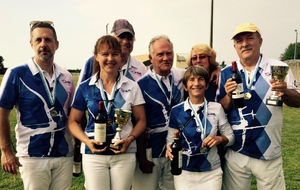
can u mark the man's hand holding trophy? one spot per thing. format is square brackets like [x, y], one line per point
[278, 74]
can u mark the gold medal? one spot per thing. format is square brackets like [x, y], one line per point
[247, 96]
[203, 150]
[53, 112]
[109, 122]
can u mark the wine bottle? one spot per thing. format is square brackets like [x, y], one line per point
[77, 160]
[100, 126]
[148, 147]
[176, 163]
[238, 94]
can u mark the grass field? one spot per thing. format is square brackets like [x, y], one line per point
[290, 144]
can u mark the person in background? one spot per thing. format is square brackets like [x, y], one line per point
[105, 167]
[200, 161]
[130, 66]
[162, 89]
[41, 92]
[203, 55]
[257, 148]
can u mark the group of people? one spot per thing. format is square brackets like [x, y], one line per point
[196, 101]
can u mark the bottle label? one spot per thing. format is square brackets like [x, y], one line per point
[77, 167]
[180, 159]
[238, 92]
[149, 154]
[100, 132]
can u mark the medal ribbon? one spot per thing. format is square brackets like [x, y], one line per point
[162, 89]
[107, 103]
[198, 120]
[127, 68]
[249, 85]
[51, 96]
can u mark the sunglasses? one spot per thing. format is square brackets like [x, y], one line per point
[35, 22]
[194, 58]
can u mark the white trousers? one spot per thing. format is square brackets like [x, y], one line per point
[108, 172]
[161, 176]
[239, 169]
[210, 180]
[46, 173]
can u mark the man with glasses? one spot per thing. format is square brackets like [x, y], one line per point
[41, 92]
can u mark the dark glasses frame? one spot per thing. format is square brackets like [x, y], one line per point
[35, 22]
[194, 58]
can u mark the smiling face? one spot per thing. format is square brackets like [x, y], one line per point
[247, 46]
[108, 59]
[196, 86]
[195, 81]
[126, 40]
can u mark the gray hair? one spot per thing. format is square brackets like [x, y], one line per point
[155, 38]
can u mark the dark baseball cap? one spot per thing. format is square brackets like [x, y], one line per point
[121, 26]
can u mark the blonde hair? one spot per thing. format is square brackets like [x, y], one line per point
[203, 49]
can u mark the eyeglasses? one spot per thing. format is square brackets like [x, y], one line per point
[35, 22]
[194, 58]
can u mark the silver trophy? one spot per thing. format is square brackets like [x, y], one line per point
[121, 118]
[278, 73]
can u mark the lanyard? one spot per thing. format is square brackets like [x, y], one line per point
[249, 85]
[107, 103]
[51, 96]
[200, 127]
[162, 89]
[127, 68]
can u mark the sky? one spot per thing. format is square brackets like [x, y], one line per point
[79, 23]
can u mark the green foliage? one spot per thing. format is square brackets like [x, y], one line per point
[222, 65]
[74, 70]
[290, 51]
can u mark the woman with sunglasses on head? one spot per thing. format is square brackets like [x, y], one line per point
[105, 167]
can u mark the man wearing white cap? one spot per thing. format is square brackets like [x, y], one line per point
[257, 126]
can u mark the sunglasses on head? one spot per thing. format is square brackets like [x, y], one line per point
[36, 22]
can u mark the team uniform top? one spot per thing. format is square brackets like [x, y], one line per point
[192, 159]
[257, 126]
[87, 96]
[157, 107]
[135, 70]
[39, 132]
